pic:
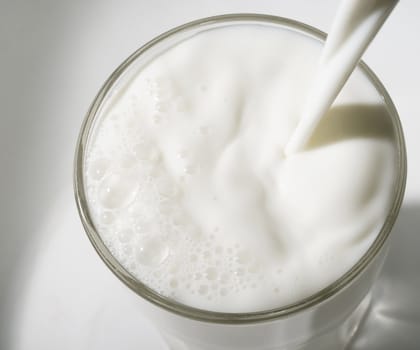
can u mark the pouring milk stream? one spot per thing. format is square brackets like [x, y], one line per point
[355, 25]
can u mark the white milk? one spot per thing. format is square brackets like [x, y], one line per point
[189, 188]
[355, 25]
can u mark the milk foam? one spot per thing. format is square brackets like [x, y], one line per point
[189, 188]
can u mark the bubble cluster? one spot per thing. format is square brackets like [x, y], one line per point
[140, 213]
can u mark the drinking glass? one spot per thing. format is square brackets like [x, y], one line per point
[326, 319]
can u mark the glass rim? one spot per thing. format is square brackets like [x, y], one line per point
[220, 317]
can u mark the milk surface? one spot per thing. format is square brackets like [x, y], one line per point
[188, 185]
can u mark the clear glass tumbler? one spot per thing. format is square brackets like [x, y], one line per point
[327, 319]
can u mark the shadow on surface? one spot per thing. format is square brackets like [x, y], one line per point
[351, 121]
[394, 321]
[36, 140]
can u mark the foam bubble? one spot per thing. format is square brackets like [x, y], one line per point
[211, 273]
[166, 187]
[147, 152]
[243, 257]
[107, 217]
[151, 252]
[173, 283]
[190, 168]
[203, 289]
[117, 190]
[97, 168]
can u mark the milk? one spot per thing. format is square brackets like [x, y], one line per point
[189, 188]
[355, 25]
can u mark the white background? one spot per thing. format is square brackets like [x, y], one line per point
[55, 293]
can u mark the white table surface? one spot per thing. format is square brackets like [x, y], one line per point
[55, 293]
